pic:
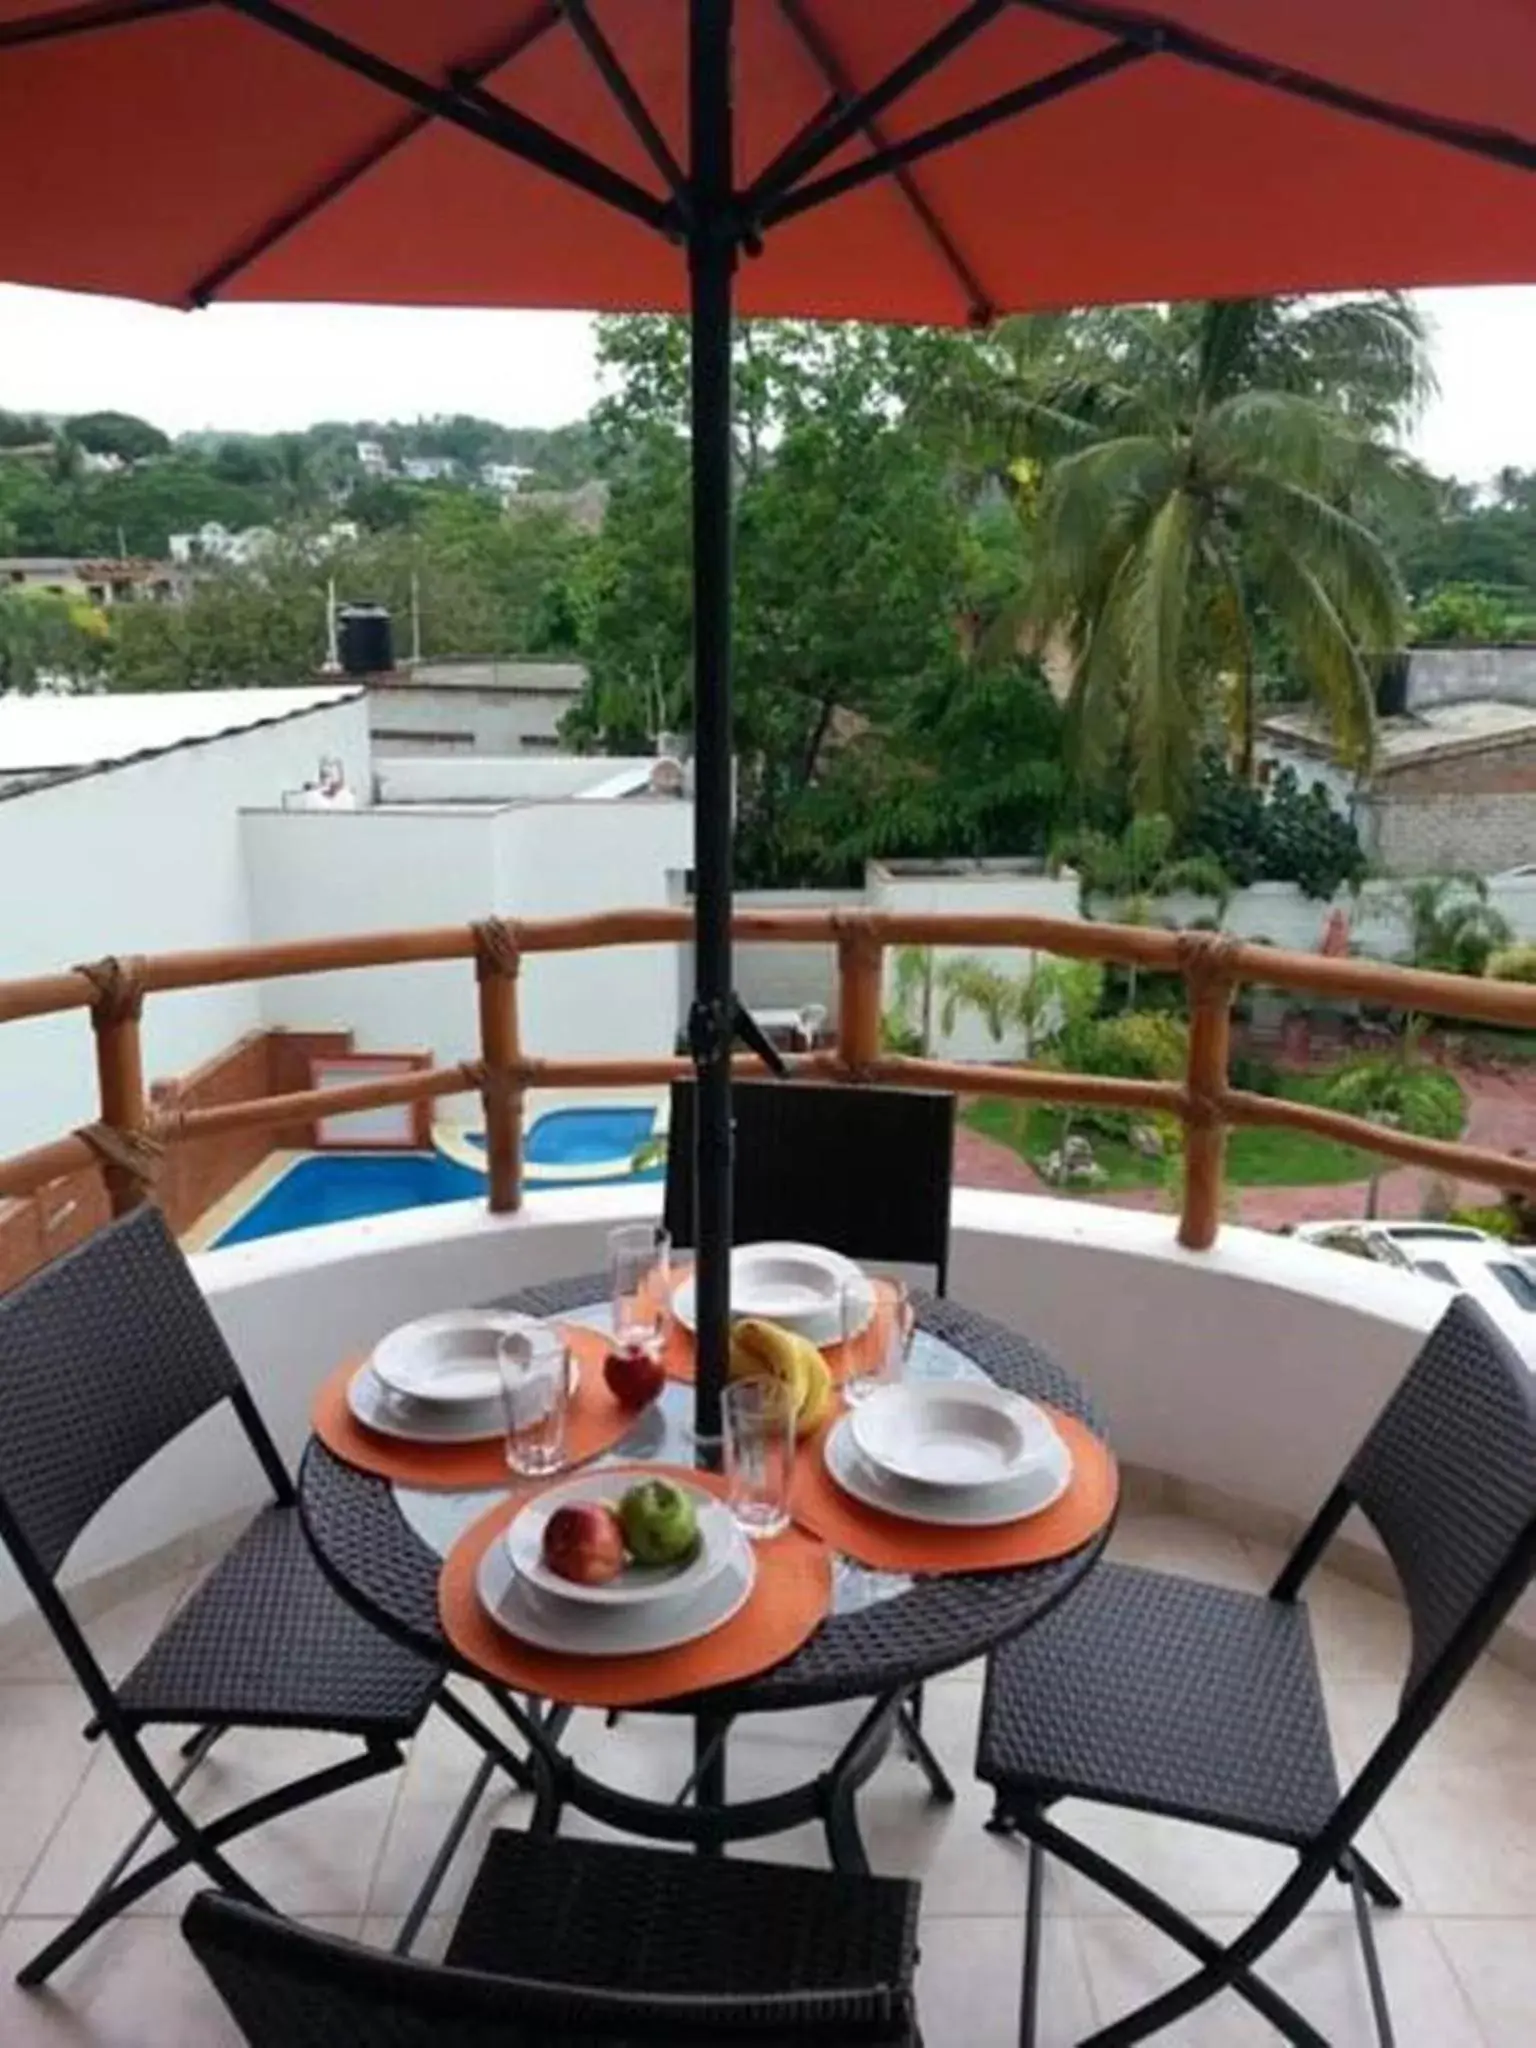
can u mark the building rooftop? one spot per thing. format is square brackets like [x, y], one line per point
[1411, 739]
[513, 678]
[43, 737]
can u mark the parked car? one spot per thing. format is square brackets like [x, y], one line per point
[1500, 1277]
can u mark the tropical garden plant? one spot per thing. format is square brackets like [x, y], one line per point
[1452, 926]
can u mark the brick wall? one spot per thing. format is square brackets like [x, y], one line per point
[1434, 834]
[195, 1174]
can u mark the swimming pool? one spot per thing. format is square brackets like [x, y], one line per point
[335, 1187]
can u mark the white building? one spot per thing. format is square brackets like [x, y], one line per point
[371, 459]
[157, 823]
[505, 476]
[473, 707]
[428, 469]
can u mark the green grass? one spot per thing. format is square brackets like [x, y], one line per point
[1256, 1158]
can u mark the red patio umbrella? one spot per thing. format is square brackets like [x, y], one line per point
[918, 160]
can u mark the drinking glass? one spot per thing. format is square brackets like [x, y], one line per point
[535, 1387]
[875, 1347]
[758, 1416]
[640, 1284]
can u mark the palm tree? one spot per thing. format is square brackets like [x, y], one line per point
[1452, 927]
[1198, 475]
[1133, 870]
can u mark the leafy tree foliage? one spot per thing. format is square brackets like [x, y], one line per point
[1276, 833]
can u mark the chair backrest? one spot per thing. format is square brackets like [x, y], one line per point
[1447, 1477]
[866, 1171]
[105, 1356]
[290, 1987]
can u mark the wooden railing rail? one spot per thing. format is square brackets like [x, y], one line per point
[126, 1140]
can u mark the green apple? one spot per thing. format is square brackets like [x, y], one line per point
[660, 1523]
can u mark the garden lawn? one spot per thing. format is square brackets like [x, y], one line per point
[1256, 1158]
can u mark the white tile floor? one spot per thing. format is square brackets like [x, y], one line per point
[1457, 1835]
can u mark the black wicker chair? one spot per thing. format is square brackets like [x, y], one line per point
[1180, 1698]
[575, 1944]
[867, 1171]
[105, 1356]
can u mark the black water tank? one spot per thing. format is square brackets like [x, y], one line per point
[365, 639]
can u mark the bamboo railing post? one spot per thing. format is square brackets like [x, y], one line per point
[1210, 978]
[120, 1140]
[497, 958]
[860, 966]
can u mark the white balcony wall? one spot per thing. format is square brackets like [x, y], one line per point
[314, 874]
[142, 858]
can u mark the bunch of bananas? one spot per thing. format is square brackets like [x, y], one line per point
[766, 1350]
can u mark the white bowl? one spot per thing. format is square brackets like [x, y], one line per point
[637, 1585]
[1030, 1492]
[798, 1286]
[949, 1433]
[449, 1359]
[575, 1631]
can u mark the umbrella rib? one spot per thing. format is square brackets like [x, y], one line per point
[800, 156]
[630, 104]
[980, 306]
[74, 21]
[280, 225]
[1169, 38]
[506, 127]
[1022, 99]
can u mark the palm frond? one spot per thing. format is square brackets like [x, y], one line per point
[1326, 652]
[1152, 623]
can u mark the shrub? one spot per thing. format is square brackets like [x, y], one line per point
[1282, 834]
[1424, 1100]
[1495, 1219]
[1138, 1045]
[1512, 963]
[1253, 1075]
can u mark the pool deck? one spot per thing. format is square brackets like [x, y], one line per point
[228, 1209]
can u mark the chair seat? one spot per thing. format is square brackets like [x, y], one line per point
[1168, 1695]
[266, 1641]
[606, 1916]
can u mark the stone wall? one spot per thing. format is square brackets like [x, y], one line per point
[193, 1175]
[1478, 834]
[1457, 675]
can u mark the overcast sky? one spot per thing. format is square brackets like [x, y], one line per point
[265, 367]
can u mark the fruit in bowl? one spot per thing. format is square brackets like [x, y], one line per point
[583, 1542]
[660, 1523]
[634, 1378]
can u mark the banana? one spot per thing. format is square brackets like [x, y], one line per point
[762, 1348]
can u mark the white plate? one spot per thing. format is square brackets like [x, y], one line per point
[986, 1507]
[427, 1422]
[637, 1585]
[448, 1360]
[796, 1285]
[575, 1631]
[950, 1433]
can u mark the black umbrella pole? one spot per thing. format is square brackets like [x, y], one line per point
[711, 265]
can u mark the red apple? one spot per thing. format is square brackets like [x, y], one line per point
[584, 1542]
[634, 1378]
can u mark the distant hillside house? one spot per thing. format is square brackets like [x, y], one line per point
[106, 581]
[428, 469]
[505, 476]
[371, 459]
[1453, 785]
[586, 507]
[473, 707]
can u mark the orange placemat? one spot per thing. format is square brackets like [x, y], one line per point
[788, 1603]
[890, 1543]
[841, 1358]
[594, 1423]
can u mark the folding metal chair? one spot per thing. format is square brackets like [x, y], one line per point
[596, 1944]
[1174, 1697]
[105, 1356]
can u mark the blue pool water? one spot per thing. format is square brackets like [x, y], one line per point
[333, 1188]
[588, 1136]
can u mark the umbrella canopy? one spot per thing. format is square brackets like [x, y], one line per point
[361, 150]
[922, 160]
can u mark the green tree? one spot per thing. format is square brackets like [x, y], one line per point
[46, 639]
[117, 433]
[1203, 467]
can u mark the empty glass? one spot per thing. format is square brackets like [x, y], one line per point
[535, 1388]
[759, 1423]
[640, 1285]
[875, 1346]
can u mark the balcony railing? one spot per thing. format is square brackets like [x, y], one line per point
[128, 1137]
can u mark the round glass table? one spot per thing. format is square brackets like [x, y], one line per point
[383, 1545]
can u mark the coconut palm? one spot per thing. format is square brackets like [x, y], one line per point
[1196, 477]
